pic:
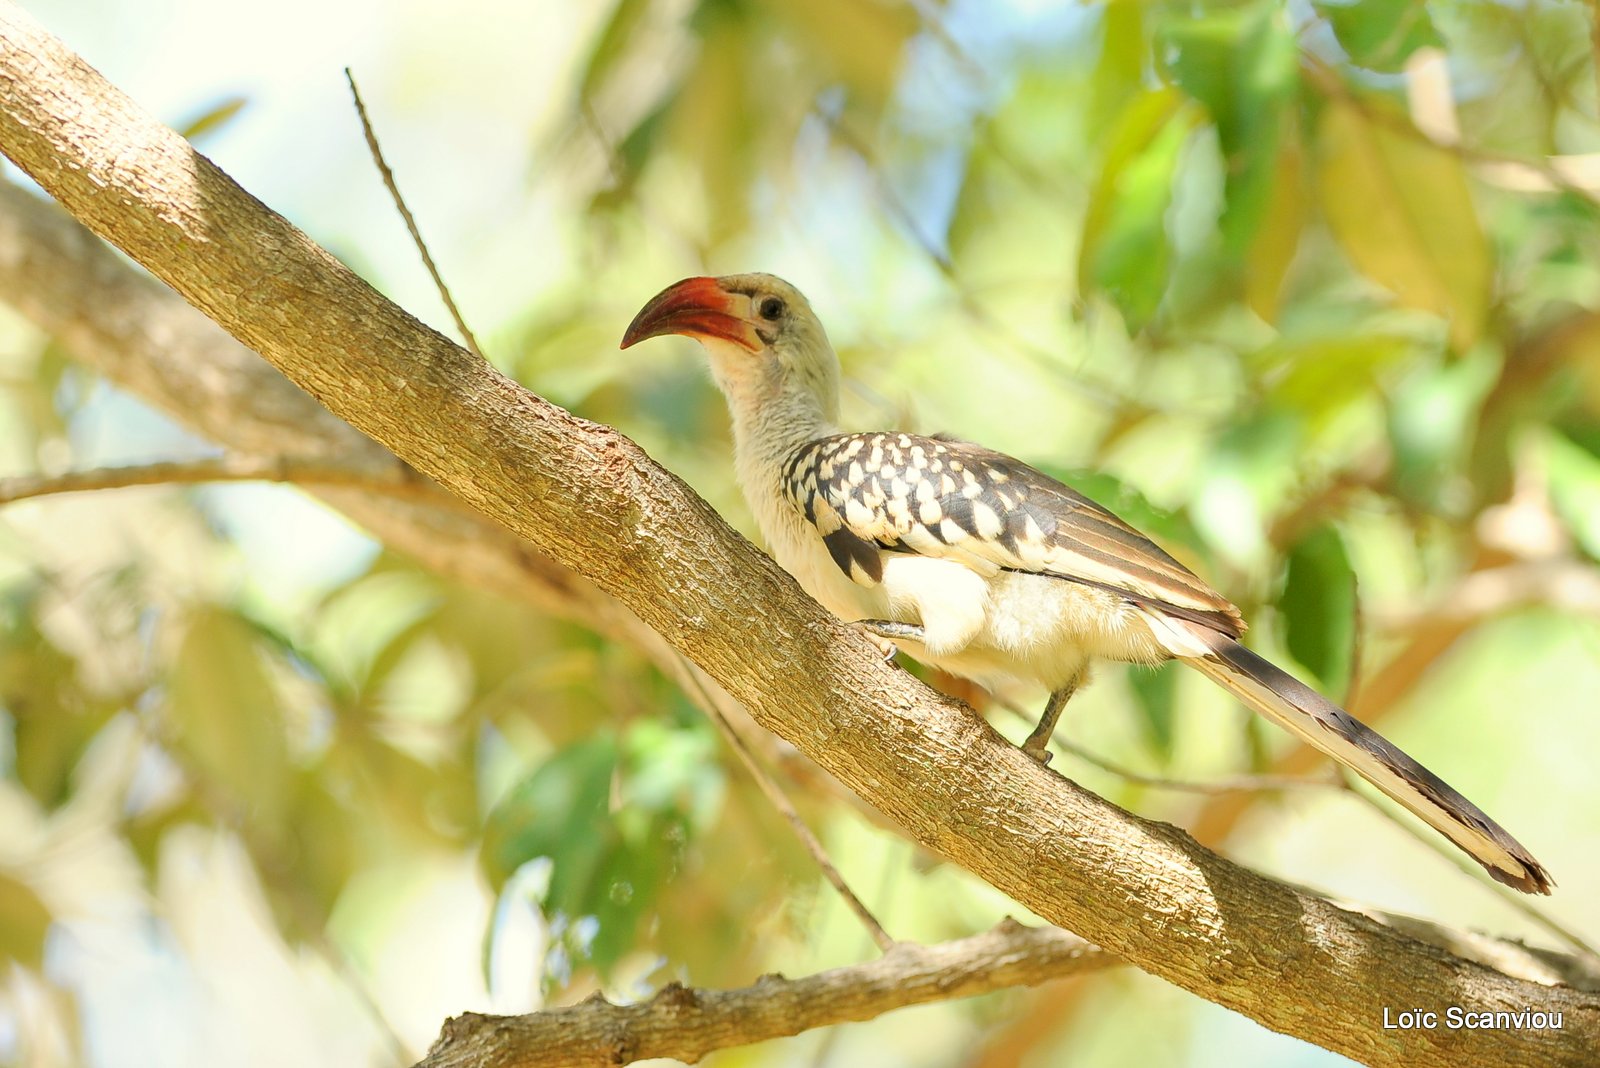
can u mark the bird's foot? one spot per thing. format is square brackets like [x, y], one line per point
[885, 632]
[1038, 752]
[888, 649]
[1037, 745]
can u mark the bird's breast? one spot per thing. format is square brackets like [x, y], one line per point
[800, 551]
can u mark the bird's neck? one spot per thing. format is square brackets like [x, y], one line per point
[766, 432]
[774, 411]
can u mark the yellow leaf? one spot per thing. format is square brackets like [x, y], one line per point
[715, 120]
[1401, 209]
[24, 922]
[1273, 247]
[861, 40]
[213, 118]
[225, 711]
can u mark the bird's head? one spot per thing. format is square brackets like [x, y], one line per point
[766, 346]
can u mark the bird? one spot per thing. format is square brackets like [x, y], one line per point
[977, 564]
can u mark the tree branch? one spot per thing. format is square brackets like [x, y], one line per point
[394, 478]
[686, 1024]
[1143, 891]
[141, 335]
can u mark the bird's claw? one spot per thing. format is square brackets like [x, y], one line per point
[1038, 753]
[888, 649]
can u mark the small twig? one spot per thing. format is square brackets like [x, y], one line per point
[783, 805]
[1358, 643]
[1233, 784]
[411, 222]
[1047, 360]
[396, 479]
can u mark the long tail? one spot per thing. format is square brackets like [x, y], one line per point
[1303, 712]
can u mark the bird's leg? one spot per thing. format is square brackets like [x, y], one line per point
[887, 631]
[1037, 742]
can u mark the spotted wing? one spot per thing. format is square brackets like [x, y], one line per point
[870, 493]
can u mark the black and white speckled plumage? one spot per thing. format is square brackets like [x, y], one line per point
[886, 492]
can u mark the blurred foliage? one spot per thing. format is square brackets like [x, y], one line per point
[1323, 319]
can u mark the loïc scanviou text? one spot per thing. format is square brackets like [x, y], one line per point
[1455, 1018]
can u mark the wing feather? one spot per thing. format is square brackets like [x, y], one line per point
[952, 499]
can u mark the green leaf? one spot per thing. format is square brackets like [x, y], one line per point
[859, 42]
[611, 45]
[613, 820]
[1431, 421]
[716, 113]
[224, 709]
[212, 118]
[1155, 692]
[1320, 377]
[561, 811]
[1379, 34]
[1318, 605]
[1401, 209]
[1243, 66]
[330, 841]
[1119, 70]
[1249, 468]
[602, 877]
[24, 923]
[54, 716]
[1574, 474]
[1125, 252]
[360, 630]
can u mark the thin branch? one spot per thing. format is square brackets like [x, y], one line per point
[396, 479]
[1358, 643]
[884, 942]
[1233, 784]
[685, 1024]
[1044, 358]
[411, 222]
[1230, 785]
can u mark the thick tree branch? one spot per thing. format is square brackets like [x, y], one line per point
[686, 1024]
[141, 335]
[595, 502]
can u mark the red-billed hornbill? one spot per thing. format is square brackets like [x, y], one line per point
[979, 565]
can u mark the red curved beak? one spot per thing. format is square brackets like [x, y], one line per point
[697, 308]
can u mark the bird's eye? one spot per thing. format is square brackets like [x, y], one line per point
[771, 309]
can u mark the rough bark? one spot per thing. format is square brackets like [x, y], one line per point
[141, 335]
[686, 1024]
[594, 502]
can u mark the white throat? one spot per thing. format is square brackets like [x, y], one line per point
[774, 413]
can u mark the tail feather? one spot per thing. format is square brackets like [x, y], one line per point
[1299, 709]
